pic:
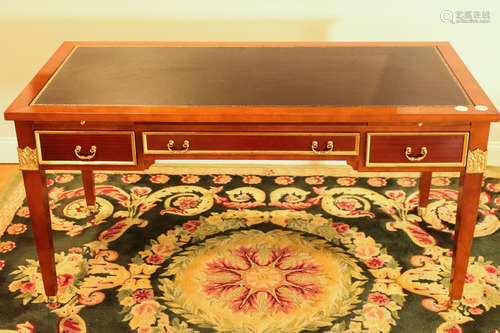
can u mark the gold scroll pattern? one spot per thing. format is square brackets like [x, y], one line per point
[28, 159]
[476, 161]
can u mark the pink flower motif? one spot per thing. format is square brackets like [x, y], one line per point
[452, 330]
[146, 309]
[142, 295]
[23, 212]
[406, 182]
[284, 180]
[16, 229]
[7, 246]
[49, 182]
[155, 259]
[378, 298]
[252, 180]
[100, 178]
[186, 203]
[279, 278]
[492, 187]
[221, 179]
[346, 181]
[340, 227]
[163, 249]
[64, 178]
[2, 264]
[75, 250]
[190, 179]
[64, 280]
[159, 179]
[141, 190]
[469, 278]
[377, 182]
[476, 311]
[291, 198]
[375, 263]
[29, 286]
[440, 181]
[348, 204]
[130, 178]
[396, 194]
[491, 269]
[497, 201]
[192, 225]
[314, 180]
[242, 197]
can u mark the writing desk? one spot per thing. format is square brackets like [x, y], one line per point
[378, 106]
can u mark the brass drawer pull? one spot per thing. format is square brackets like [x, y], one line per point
[329, 147]
[423, 154]
[78, 149]
[185, 145]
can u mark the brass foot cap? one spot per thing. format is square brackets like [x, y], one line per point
[52, 299]
[93, 209]
[421, 211]
[454, 304]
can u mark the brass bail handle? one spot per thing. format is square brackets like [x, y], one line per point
[315, 145]
[93, 151]
[185, 145]
[410, 157]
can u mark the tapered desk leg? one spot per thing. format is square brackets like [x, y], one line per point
[468, 202]
[89, 188]
[36, 194]
[423, 191]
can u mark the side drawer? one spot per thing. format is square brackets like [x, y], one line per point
[250, 143]
[417, 149]
[86, 147]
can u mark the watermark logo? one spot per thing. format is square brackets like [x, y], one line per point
[465, 16]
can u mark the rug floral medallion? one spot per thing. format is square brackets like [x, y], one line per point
[249, 253]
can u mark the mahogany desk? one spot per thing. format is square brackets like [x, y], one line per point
[379, 106]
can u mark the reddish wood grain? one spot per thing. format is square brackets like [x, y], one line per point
[468, 203]
[89, 187]
[440, 148]
[424, 189]
[258, 142]
[38, 204]
[110, 147]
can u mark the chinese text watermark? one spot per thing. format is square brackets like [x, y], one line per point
[465, 16]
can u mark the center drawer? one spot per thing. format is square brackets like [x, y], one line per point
[250, 143]
[86, 147]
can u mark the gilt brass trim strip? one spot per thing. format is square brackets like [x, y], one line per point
[28, 159]
[148, 151]
[74, 162]
[462, 163]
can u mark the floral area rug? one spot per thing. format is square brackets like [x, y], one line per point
[251, 253]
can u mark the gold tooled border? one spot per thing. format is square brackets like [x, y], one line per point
[41, 161]
[354, 152]
[437, 164]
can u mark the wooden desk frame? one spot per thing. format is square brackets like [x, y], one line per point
[308, 120]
